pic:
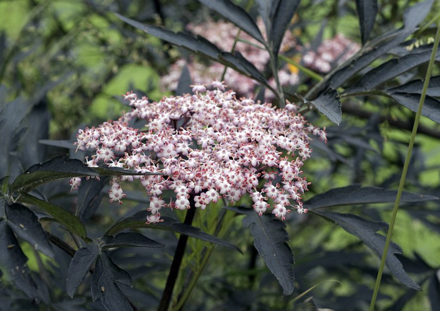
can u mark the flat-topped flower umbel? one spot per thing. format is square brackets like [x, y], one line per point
[210, 144]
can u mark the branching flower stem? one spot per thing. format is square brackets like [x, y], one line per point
[405, 167]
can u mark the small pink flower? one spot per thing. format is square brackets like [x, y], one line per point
[75, 182]
[220, 85]
[280, 211]
[198, 88]
[115, 193]
[154, 218]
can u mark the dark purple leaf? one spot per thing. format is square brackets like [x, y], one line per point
[11, 114]
[236, 15]
[183, 87]
[25, 224]
[71, 222]
[265, 9]
[139, 221]
[202, 46]
[104, 284]
[56, 168]
[282, 16]
[90, 197]
[328, 103]
[13, 262]
[356, 194]
[67, 144]
[270, 239]
[431, 106]
[38, 123]
[416, 86]
[389, 70]
[79, 267]
[412, 17]
[367, 11]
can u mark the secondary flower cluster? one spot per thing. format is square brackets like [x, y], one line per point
[223, 34]
[331, 52]
[210, 145]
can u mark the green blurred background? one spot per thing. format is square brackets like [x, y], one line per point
[82, 58]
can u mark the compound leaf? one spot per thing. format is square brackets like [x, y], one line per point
[412, 17]
[104, 286]
[416, 86]
[201, 45]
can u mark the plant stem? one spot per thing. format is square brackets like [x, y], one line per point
[273, 65]
[177, 261]
[429, 23]
[194, 279]
[41, 268]
[405, 167]
[252, 44]
[221, 229]
[248, 7]
[307, 71]
[365, 93]
[232, 51]
[61, 244]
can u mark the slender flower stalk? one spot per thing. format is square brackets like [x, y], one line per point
[405, 167]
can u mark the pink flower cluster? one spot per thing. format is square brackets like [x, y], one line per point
[333, 51]
[223, 34]
[210, 145]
